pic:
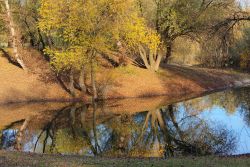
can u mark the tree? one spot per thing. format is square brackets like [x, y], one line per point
[185, 18]
[139, 38]
[103, 24]
[28, 16]
[81, 42]
[15, 38]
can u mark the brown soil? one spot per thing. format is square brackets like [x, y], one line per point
[173, 82]
[19, 86]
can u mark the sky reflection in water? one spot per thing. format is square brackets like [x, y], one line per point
[213, 124]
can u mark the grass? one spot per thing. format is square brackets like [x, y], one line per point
[36, 160]
[130, 70]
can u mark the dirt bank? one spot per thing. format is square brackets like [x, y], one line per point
[171, 81]
[19, 86]
[124, 82]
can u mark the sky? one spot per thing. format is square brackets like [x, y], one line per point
[245, 2]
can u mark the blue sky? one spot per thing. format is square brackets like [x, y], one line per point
[245, 2]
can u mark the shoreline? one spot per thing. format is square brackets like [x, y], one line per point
[183, 98]
[171, 82]
[12, 158]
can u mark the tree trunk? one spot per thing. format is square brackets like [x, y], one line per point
[96, 146]
[71, 83]
[49, 41]
[143, 55]
[158, 61]
[173, 119]
[32, 37]
[72, 117]
[41, 39]
[151, 60]
[94, 91]
[82, 80]
[20, 134]
[167, 134]
[83, 115]
[158, 10]
[13, 35]
[169, 51]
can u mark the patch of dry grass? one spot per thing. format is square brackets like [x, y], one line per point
[17, 85]
[14, 159]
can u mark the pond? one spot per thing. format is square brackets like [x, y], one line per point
[215, 124]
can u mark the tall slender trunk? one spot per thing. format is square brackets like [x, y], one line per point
[97, 147]
[82, 80]
[169, 51]
[151, 60]
[71, 83]
[72, 117]
[93, 83]
[167, 134]
[83, 115]
[32, 37]
[41, 39]
[143, 55]
[158, 6]
[14, 36]
[140, 7]
[158, 61]
[20, 134]
[173, 119]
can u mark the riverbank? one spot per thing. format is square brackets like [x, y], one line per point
[20, 86]
[11, 159]
[171, 81]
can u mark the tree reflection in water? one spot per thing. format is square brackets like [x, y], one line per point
[82, 129]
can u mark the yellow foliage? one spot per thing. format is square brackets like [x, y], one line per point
[135, 32]
[90, 26]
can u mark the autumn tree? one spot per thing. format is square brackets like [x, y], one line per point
[84, 29]
[184, 18]
[87, 29]
[143, 41]
[60, 20]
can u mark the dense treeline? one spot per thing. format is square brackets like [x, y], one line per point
[74, 35]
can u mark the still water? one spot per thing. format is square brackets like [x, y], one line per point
[218, 123]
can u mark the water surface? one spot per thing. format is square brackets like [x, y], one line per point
[218, 123]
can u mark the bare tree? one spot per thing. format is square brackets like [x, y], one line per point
[13, 34]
